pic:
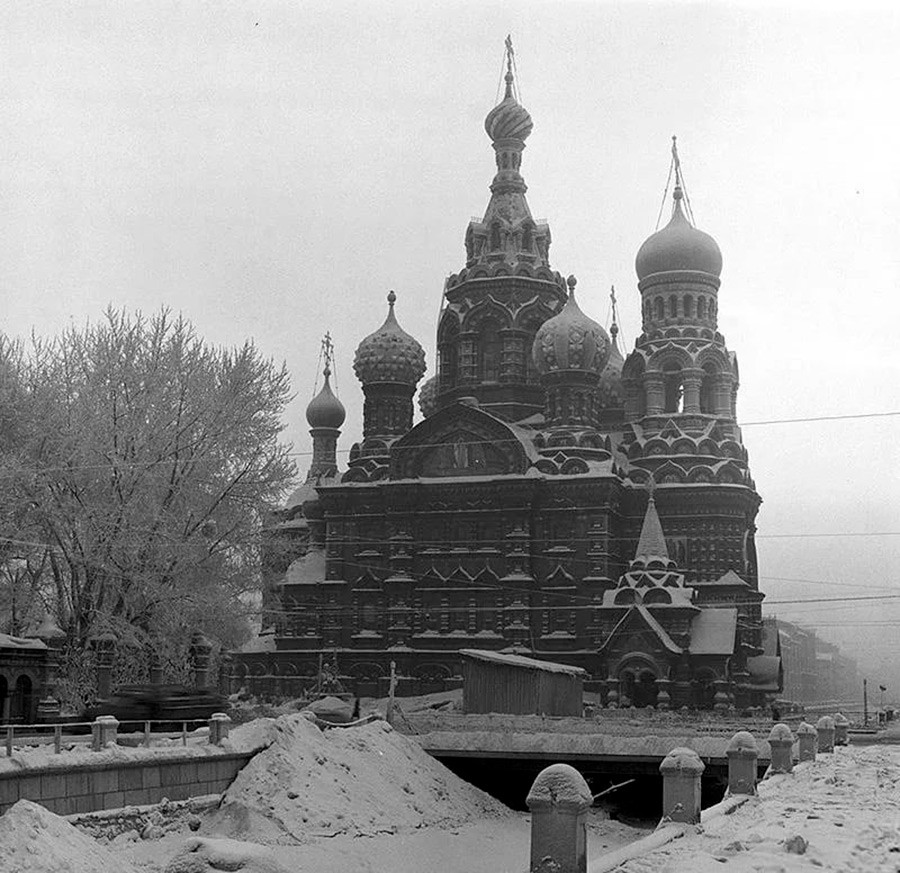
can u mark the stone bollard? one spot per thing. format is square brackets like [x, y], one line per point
[841, 730]
[806, 735]
[781, 741]
[104, 731]
[219, 725]
[825, 731]
[743, 757]
[681, 771]
[558, 801]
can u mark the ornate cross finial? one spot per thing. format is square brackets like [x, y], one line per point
[614, 326]
[327, 353]
[510, 62]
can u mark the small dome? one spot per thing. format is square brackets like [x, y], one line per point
[325, 410]
[678, 246]
[611, 377]
[428, 396]
[508, 119]
[390, 354]
[570, 340]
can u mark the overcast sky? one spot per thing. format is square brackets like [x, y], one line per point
[273, 169]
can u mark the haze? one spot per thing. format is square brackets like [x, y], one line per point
[273, 169]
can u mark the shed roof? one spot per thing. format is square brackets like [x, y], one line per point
[521, 661]
[712, 631]
[9, 642]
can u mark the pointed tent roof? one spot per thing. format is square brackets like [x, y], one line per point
[652, 543]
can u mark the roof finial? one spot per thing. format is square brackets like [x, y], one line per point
[614, 326]
[571, 282]
[392, 299]
[327, 354]
[510, 54]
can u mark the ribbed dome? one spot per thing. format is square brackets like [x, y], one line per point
[428, 396]
[508, 119]
[571, 340]
[390, 354]
[678, 246]
[325, 410]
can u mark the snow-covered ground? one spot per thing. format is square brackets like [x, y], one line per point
[839, 813]
[368, 799]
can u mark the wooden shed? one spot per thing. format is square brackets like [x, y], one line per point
[494, 682]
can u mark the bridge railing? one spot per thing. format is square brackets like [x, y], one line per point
[106, 729]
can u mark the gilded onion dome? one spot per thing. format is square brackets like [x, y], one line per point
[678, 246]
[508, 119]
[325, 410]
[390, 354]
[570, 340]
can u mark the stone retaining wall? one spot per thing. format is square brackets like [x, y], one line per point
[92, 786]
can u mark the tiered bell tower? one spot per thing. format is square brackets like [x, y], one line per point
[494, 306]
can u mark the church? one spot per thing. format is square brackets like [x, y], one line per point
[557, 500]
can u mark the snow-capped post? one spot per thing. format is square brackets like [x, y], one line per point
[743, 757]
[681, 771]
[781, 742]
[104, 730]
[841, 729]
[825, 732]
[558, 801]
[219, 723]
[806, 736]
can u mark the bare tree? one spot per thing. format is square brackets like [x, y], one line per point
[137, 471]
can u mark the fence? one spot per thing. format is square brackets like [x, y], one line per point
[560, 797]
[105, 729]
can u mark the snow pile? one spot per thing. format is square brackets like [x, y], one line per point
[360, 780]
[204, 855]
[839, 813]
[35, 840]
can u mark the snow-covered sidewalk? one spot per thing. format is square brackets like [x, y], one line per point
[840, 812]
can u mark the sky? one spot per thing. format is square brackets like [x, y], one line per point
[273, 169]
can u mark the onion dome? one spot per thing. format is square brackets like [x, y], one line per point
[325, 410]
[390, 354]
[570, 340]
[508, 119]
[611, 377]
[678, 246]
[428, 396]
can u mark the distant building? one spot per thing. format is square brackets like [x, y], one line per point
[557, 501]
[815, 671]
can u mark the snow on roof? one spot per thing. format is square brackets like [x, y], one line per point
[308, 569]
[712, 631]
[521, 661]
[8, 642]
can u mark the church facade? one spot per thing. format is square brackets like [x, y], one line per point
[556, 500]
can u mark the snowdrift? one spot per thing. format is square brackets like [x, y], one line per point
[361, 780]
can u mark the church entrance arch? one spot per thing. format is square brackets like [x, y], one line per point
[637, 680]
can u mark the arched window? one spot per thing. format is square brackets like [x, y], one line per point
[448, 356]
[707, 390]
[673, 306]
[489, 351]
[495, 237]
[527, 240]
[688, 306]
[701, 307]
[674, 390]
[660, 309]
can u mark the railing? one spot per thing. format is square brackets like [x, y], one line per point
[105, 729]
